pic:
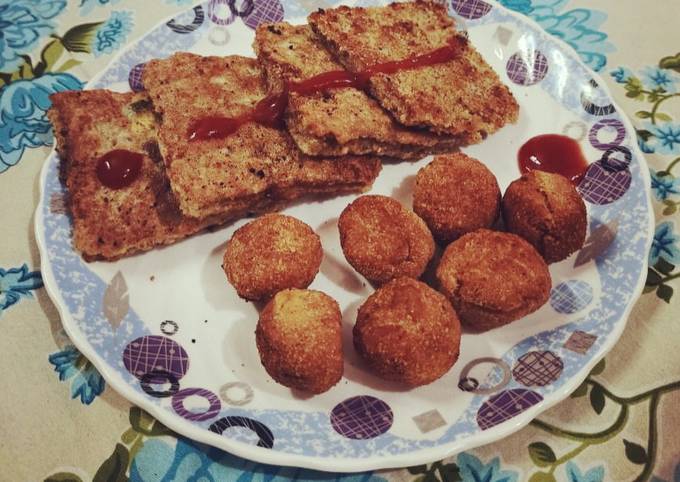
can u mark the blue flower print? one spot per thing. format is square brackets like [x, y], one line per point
[159, 460]
[112, 33]
[17, 283]
[656, 78]
[86, 6]
[645, 146]
[23, 122]
[664, 186]
[574, 474]
[521, 6]
[471, 468]
[578, 27]
[22, 24]
[621, 74]
[667, 137]
[86, 382]
[665, 244]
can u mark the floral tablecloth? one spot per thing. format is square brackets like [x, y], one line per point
[59, 420]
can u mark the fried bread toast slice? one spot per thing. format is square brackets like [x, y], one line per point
[256, 165]
[111, 223]
[462, 95]
[336, 121]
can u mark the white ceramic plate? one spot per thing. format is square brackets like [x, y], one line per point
[172, 310]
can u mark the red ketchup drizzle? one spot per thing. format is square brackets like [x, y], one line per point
[119, 168]
[269, 111]
[553, 153]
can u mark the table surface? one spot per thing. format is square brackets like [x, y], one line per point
[61, 422]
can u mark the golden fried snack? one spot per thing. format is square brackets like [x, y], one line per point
[546, 210]
[270, 254]
[257, 168]
[299, 338]
[493, 278]
[383, 240]
[456, 194]
[334, 122]
[463, 96]
[109, 223]
[407, 332]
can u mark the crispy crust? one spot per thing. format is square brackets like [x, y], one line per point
[257, 165]
[272, 253]
[111, 223]
[337, 121]
[493, 278]
[456, 194]
[299, 338]
[383, 240]
[407, 332]
[462, 96]
[546, 210]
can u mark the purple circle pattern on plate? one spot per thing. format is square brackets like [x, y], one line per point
[199, 18]
[266, 437]
[178, 404]
[471, 384]
[571, 296]
[528, 68]
[362, 417]
[604, 186]
[599, 125]
[537, 368]
[505, 405]
[169, 327]
[264, 11]
[152, 352]
[213, 12]
[135, 78]
[159, 377]
[471, 9]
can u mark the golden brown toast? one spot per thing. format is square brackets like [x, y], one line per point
[337, 121]
[256, 165]
[110, 223]
[463, 95]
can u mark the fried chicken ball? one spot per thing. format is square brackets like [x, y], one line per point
[407, 332]
[546, 210]
[299, 338]
[272, 253]
[456, 194]
[383, 240]
[493, 278]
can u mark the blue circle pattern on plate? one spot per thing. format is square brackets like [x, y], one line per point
[571, 296]
[80, 289]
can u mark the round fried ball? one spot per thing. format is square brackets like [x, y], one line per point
[407, 332]
[456, 194]
[546, 210]
[383, 240]
[493, 278]
[299, 338]
[272, 253]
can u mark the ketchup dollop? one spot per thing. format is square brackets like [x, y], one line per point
[553, 153]
[119, 168]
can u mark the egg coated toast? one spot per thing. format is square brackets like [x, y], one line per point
[111, 223]
[462, 96]
[257, 165]
[336, 121]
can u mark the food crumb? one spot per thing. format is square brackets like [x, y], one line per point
[152, 277]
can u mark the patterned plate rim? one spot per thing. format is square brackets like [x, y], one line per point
[346, 464]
